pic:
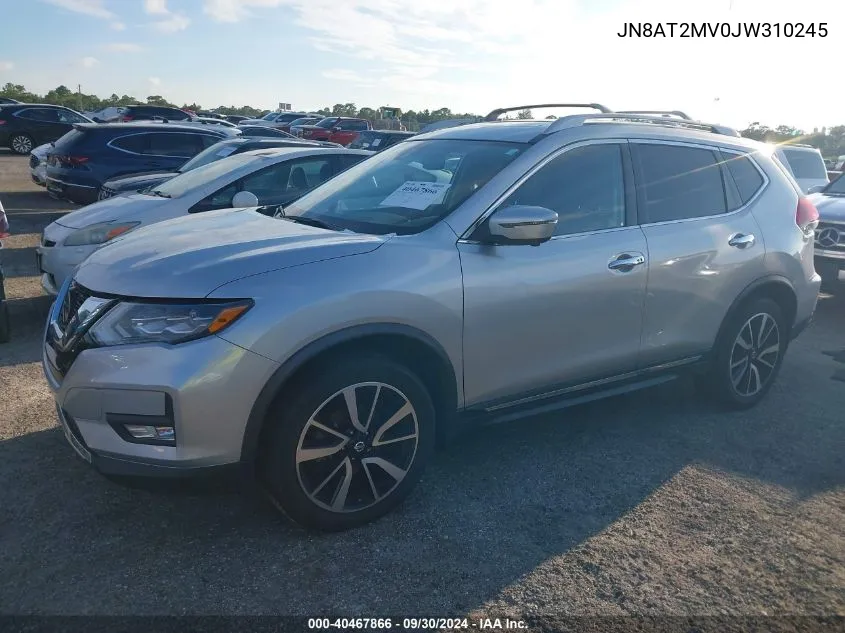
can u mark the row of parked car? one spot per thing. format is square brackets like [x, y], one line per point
[356, 305]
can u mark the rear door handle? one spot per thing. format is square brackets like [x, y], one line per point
[626, 262]
[741, 240]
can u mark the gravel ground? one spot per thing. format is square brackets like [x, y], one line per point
[649, 504]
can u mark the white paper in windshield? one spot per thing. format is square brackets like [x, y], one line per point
[225, 151]
[376, 142]
[417, 195]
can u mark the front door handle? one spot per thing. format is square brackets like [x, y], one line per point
[626, 262]
[741, 240]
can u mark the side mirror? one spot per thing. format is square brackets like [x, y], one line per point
[522, 224]
[815, 188]
[244, 199]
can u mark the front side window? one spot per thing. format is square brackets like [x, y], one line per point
[327, 123]
[584, 186]
[66, 116]
[678, 183]
[407, 188]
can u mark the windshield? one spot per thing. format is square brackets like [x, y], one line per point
[302, 121]
[327, 123]
[836, 187]
[805, 164]
[185, 182]
[407, 188]
[209, 155]
[270, 117]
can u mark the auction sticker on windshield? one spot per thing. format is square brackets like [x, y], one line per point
[417, 195]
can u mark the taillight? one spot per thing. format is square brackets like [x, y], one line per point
[2, 122]
[126, 117]
[71, 161]
[806, 216]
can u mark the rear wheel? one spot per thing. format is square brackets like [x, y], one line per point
[347, 443]
[21, 144]
[749, 354]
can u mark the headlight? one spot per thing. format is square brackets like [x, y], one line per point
[98, 233]
[171, 323]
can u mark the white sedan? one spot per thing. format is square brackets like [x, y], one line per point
[275, 176]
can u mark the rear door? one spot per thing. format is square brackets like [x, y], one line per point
[704, 245]
[41, 123]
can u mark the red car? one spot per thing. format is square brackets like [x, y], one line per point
[336, 129]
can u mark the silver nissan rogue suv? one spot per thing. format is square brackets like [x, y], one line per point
[475, 273]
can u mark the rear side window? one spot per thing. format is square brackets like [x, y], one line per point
[38, 114]
[135, 143]
[175, 144]
[745, 175]
[68, 140]
[678, 183]
[805, 164]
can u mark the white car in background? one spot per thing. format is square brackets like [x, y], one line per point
[106, 115]
[38, 164]
[261, 177]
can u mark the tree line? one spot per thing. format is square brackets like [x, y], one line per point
[831, 141]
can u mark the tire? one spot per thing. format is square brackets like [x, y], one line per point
[5, 322]
[21, 144]
[744, 367]
[358, 479]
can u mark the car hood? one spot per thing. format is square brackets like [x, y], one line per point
[117, 208]
[134, 182]
[188, 257]
[831, 208]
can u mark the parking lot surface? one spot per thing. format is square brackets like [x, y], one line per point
[652, 503]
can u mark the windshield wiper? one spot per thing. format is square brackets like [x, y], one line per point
[308, 221]
[160, 194]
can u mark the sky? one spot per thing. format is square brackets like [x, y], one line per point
[467, 55]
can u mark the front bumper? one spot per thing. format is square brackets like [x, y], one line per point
[207, 387]
[57, 263]
[39, 175]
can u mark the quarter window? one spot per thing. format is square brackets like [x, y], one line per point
[678, 183]
[585, 186]
[745, 175]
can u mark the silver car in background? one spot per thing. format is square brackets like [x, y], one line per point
[473, 274]
[806, 165]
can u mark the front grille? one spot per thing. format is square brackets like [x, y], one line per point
[830, 237]
[76, 296]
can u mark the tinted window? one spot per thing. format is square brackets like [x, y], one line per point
[38, 114]
[347, 160]
[136, 143]
[585, 186]
[745, 175]
[327, 122]
[66, 116]
[174, 144]
[201, 176]
[353, 125]
[262, 130]
[805, 164]
[679, 182]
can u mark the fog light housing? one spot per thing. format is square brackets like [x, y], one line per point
[150, 432]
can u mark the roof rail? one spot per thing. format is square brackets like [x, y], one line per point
[495, 114]
[577, 120]
[666, 113]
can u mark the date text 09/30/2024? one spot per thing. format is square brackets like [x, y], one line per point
[416, 624]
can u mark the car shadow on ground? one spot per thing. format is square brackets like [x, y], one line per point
[492, 507]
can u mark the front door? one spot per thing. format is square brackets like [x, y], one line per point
[567, 311]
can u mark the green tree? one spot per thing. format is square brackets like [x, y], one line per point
[524, 114]
[158, 100]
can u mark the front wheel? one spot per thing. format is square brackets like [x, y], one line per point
[347, 442]
[749, 354]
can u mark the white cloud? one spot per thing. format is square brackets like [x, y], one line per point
[344, 74]
[118, 26]
[89, 62]
[6, 65]
[156, 7]
[123, 47]
[155, 81]
[236, 10]
[93, 8]
[173, 23]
